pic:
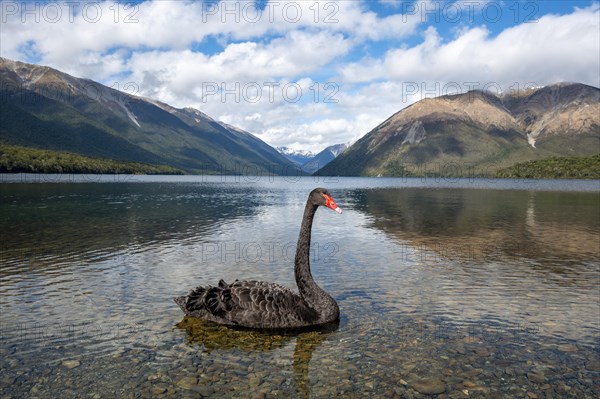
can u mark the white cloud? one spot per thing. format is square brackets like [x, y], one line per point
[555, 48]
[64, 31]
[296, 45]
[240, 68]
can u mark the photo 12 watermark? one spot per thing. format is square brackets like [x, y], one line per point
[243, 172]
[416, 91]
[29, 333]
[53, 12]
[68, 177]
[469, 332]
[440, 253]
[263, 252]
[325, 12]
[73, 94]
[470, 11]
[271, 92]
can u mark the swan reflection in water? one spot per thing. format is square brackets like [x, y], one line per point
[214, 337]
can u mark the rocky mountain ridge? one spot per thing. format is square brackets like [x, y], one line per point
[44, 108]
[478, 130]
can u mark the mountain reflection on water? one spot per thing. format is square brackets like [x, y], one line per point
[474, 224]
[83, 220]
[514, 257]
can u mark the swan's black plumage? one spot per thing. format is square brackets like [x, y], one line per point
[259, 304]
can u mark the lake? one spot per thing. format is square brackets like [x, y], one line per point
[459, 287]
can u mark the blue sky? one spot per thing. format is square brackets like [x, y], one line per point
[307, 74]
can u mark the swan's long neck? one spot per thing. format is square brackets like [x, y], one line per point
[314, 295]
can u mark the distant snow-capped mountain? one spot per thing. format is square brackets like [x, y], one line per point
[311, 162]
[298, 157]
[324, 157]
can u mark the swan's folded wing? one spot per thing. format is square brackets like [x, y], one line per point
[269, 304]
[262, 296]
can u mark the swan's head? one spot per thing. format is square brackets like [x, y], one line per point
[321, 197]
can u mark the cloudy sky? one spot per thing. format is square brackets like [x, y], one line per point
[307, 74]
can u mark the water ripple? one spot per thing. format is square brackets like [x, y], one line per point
[428, 281]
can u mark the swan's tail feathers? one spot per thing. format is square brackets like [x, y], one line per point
[180, 300]
[214, 300]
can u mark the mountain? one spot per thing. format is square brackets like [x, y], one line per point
[477, 133]
[298, 157]
[324, 157]
[44, 108]
[309, 162]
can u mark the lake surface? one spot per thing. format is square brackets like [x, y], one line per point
[464, 288]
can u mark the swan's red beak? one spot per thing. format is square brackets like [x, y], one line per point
[330, 203]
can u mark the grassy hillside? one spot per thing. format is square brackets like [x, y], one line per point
[14, 159]
[44, 108]
[555, 168]
[451, 148]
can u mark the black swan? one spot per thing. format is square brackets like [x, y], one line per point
[259, 304]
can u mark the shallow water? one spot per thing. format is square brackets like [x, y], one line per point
[465, 288]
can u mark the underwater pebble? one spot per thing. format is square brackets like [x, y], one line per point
[71, 364]
[482, 351]
[158, 389]
[453, 380]
[254, 380]
[429, 386]
[187, 382]
[7, 381]
[469, 384]
[567, 348]
[593, 365]
[471, 373]
[537, 377]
